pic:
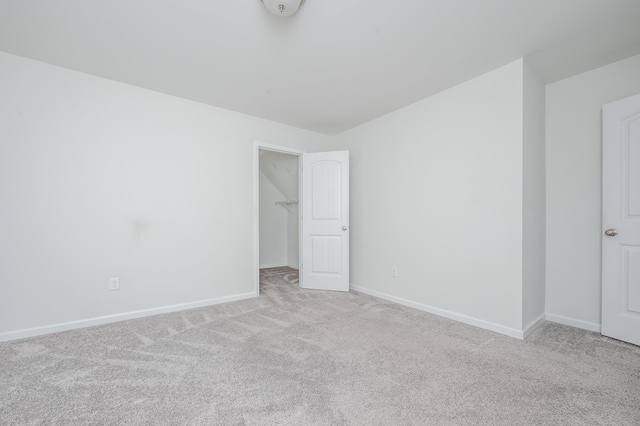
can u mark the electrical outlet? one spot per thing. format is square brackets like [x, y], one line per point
[114, 284]
[394, 272]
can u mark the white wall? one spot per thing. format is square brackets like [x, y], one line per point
[282, 170]
[293, 237]
[436, 190]
[533, 202]
[574, 188]
[99, 179]
[273, 225]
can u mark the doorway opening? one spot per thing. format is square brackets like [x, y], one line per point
[278, 219]
[323, 200]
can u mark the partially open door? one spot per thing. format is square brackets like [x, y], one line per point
[621, 220]
[325, 221]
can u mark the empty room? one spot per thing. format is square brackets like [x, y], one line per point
[320, 212]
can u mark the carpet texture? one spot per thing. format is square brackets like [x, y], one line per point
[302, 357]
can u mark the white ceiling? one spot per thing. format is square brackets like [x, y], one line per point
[331, 66]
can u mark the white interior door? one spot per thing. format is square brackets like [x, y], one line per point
[325, 220]
[621, 220]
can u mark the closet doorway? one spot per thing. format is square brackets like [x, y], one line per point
[278, 212]
[320, 211]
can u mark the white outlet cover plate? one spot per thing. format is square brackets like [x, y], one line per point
[115, 284]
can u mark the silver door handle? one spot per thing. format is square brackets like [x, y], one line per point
[611, 232]
[344, 228]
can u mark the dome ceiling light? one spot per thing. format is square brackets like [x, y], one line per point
[282, 7]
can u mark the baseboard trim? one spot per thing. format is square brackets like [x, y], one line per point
[56, 328]
[293, 266]
[511, 332]
[533, 325]
[585, 325]
[273, 265]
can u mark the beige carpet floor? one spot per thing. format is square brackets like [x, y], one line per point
[297, 357]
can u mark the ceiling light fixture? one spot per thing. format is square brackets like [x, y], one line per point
[282, 7]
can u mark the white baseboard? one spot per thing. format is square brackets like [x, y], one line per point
[55, 328]
[293, 266]
[273, 265]
[512, 332]
[533, 325]
[585, 325]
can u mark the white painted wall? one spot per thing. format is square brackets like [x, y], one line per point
[282, 170]
[273, 226]
[293, 237]
[533, 201]
[574, 188]
[100, 179]
[436, 190]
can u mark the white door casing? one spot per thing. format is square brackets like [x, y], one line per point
[621, 220]
[325, 221]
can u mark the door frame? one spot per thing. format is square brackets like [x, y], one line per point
[257, 146]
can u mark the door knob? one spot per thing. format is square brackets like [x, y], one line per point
[344, 228]
[611, 232]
